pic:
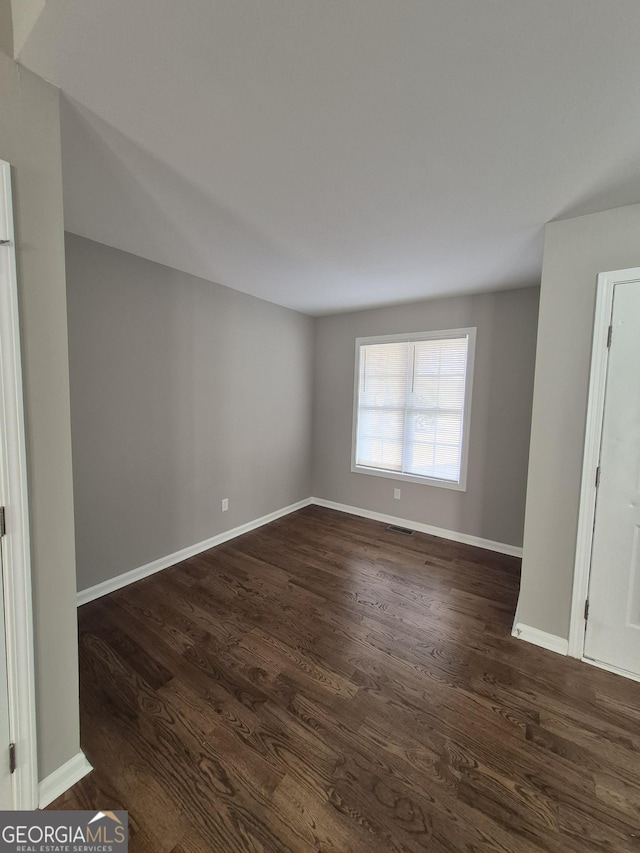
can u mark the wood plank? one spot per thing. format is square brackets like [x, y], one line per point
[326, 684]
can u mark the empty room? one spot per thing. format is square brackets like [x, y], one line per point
[320, 425]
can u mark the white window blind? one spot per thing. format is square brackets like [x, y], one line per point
[412, 405]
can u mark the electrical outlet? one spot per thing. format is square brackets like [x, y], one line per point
[225, 504]
[396, 494]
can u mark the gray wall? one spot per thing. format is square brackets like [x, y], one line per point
[493, 505]
[25, 13]
[182, 393]
[575, 251]
[30, 141]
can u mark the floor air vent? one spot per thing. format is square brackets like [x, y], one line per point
[403, 530]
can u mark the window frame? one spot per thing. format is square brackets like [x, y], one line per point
[413, 337]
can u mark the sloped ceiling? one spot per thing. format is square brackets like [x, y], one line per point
[335, 154]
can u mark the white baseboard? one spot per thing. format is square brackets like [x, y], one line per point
[541, 638]
[633, 676]
[120, 581]
[111, 585]
[453, 535]
[63, 778]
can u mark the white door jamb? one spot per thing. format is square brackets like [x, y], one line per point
[15, 544]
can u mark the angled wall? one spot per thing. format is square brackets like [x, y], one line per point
[25, 15]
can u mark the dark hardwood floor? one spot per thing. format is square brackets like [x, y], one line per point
[325, 684]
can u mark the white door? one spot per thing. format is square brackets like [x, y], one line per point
[613, 624]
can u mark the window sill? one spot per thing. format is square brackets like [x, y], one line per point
[411, 478]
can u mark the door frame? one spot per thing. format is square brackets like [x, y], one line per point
[16, 552]
[605, 285]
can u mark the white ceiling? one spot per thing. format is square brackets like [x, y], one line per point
[334, 154]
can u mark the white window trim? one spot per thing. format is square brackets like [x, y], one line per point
[470, 333]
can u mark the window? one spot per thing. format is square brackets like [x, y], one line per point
[412, 405]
